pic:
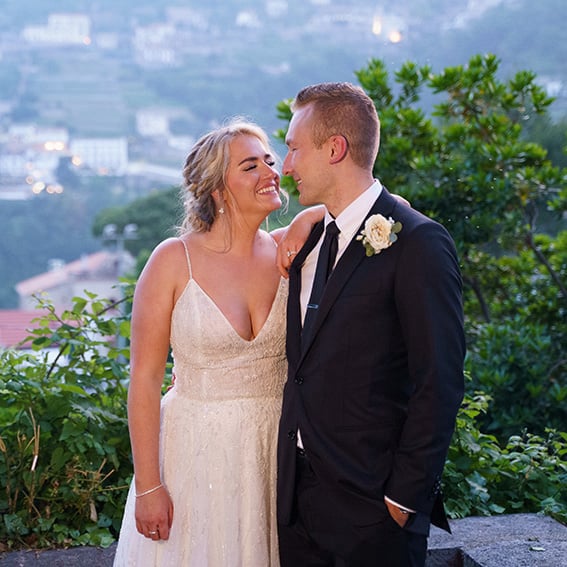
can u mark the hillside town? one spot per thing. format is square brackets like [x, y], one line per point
[31, 152]
[96, 119]
[99, 133]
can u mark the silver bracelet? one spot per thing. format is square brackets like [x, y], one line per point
[146, 492]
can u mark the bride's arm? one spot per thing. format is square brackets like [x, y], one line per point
[151, 315]
[291, 238]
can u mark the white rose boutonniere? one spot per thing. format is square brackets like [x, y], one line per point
[379, 233]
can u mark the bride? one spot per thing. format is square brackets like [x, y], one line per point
[205, 453]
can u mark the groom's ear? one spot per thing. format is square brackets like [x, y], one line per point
[338, 146]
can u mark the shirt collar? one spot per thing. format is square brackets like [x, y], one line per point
[352, 216]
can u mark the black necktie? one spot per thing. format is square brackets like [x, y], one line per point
[325, 263]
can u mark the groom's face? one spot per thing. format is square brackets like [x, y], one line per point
[306, 163]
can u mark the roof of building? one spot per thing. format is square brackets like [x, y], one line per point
[93, 265]
[15, 325]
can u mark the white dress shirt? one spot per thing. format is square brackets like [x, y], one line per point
[348, 222]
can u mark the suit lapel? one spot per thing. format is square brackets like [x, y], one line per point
[354, 254]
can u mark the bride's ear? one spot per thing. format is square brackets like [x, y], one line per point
[218, 198]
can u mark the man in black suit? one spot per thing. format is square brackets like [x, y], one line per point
[375, 352]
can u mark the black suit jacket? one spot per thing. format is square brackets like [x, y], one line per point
[376, 388]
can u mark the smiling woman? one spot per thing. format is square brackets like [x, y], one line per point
[205, 454]
[251, 182]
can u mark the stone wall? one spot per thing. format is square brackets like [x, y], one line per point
[520, 540]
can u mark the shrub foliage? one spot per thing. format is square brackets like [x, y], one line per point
[64, 446]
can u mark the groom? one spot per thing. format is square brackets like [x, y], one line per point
[375, 350]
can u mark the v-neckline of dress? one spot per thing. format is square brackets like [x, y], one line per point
[225, 318]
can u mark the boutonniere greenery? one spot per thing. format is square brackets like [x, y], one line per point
[379, 233]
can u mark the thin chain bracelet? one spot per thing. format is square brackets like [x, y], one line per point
[146, 492]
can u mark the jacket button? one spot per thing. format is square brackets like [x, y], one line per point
[291, 434]
[298, 380]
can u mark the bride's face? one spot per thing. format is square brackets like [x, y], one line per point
[252, 182]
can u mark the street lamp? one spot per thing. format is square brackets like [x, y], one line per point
[110, 233]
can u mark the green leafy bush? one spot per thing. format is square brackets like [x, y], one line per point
[484, 477]
[64, 446]
[518, 358]
[65, 455]
[515, 363]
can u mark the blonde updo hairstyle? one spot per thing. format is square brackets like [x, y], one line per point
[205, 171]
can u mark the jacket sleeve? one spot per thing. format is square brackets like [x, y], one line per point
[428, 296]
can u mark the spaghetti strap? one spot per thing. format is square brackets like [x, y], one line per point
[188, 259]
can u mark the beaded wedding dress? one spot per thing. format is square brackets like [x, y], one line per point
[218, 442]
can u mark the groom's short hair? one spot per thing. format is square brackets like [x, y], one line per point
[343, 109]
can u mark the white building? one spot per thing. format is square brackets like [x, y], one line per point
[13, 165]
[152, 122]
[106, 156]
[61, 29]
[47, 138]
[188, 17]
[155, 44]
[29, 159]
[248, 19]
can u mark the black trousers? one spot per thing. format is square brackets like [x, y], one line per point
[321, 536]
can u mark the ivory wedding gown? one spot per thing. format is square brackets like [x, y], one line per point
[218, 442]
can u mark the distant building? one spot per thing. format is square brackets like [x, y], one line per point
[160, 173]
[108, 41]
[155, 45]
[14, 191]
[5, 105]
[187, 17]
[13, 165]
[61, 29]
[276, 8]
[97, 273]
[15, 326]
[29, 158]
[43, 138]
[151, 122]
[182, 143]
[106, 156]
[248, 19]
[337, 19]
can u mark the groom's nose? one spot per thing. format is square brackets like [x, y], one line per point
[286, 168]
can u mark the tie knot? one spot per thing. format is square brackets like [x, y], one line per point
[332, 229]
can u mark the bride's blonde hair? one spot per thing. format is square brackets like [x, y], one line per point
[205, 171]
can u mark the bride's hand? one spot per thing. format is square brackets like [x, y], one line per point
[154, 514]
[292, 238]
